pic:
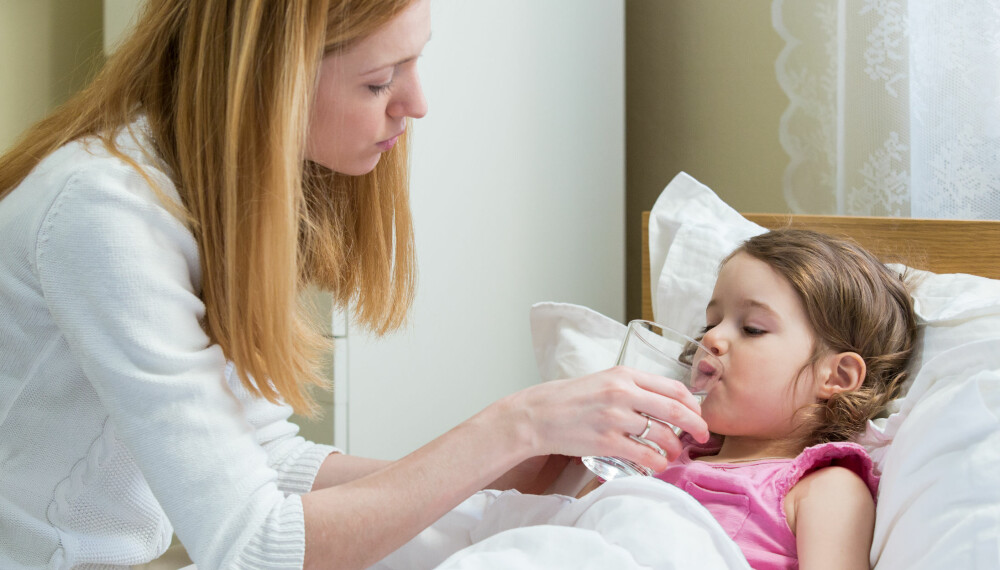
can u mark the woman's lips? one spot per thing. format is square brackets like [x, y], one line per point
[387, 144]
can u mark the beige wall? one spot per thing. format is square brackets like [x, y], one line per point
[701, 97]
[48, 50]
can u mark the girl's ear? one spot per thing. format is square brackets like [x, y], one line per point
[844, 373]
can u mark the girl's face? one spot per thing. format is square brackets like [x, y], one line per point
[366, 93]
[757, 326]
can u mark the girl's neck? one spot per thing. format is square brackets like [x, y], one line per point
[737, 448]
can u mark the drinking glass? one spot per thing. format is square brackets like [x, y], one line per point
[660, 350]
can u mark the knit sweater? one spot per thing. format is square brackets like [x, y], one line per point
[120, 422]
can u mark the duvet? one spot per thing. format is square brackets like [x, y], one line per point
[635, 522]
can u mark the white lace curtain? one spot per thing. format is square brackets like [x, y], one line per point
[894, 106]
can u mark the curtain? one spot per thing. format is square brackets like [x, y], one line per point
[894, 107]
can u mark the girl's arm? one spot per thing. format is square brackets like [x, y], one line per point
[832, 514]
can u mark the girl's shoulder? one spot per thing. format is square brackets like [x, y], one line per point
[830, 489]
[850, 456]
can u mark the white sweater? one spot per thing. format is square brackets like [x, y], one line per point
[119, 422]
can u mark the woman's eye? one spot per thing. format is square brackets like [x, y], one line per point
[380, 89]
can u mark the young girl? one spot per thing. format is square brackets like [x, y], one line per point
[815, 334]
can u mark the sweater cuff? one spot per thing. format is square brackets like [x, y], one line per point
[297, 474]
[281, 540]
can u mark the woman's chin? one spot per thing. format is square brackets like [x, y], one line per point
[363, 169]
[354, 168]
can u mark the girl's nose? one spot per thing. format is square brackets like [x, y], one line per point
[715, 341]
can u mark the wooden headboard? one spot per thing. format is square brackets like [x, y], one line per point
[941, 246]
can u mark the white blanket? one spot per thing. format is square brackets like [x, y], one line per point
[635, 522]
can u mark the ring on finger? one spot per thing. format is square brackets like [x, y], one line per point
[645, 432]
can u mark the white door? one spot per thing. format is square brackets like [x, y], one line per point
[518, 197]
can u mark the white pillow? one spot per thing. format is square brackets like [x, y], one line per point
[690, 232]
[572, 341]
[938, 449]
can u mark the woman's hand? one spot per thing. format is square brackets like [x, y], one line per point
[595, 414]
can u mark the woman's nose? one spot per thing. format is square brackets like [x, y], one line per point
[409, 102]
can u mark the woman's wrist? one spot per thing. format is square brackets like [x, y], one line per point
[507, 424]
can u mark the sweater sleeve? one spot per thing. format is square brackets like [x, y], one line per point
[295, 459]
[120, 276]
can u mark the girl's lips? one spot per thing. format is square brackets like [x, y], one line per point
[706, 368]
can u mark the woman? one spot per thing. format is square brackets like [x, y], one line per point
[154, 235]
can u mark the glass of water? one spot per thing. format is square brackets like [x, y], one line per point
[660, 350]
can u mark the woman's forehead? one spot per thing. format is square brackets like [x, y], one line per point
[402, 39]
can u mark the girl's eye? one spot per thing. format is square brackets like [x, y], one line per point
[707, 328]
[753, 331]
[380, 89]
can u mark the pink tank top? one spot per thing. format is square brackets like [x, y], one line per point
[747, 498]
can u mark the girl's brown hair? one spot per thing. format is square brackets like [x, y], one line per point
[854, 304]
[226, 88]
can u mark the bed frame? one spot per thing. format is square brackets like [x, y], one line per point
[941, 246]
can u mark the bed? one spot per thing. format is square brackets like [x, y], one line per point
[938, 446]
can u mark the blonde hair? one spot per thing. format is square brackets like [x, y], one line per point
[226, 88]
[854, 303]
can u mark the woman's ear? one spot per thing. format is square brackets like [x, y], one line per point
[844, 372]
